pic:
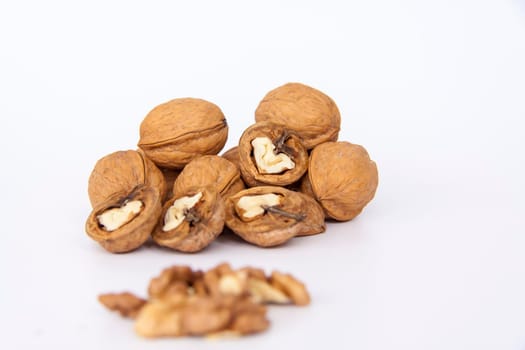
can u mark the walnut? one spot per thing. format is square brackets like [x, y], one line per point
[270, 215]
[177, 131]
[191, 221]
[125, 220]
[291, 287]
[233, 156]
[271, 154]
[126, 304]
[342, 178]
[213, 171]
[170, 175]
[312, 114]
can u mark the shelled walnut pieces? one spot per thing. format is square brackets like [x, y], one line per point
[220, 301]
[287, 174]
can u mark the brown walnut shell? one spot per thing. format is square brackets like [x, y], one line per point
[133, 234]
[232, 155]
[292, 146]
[175, 132]
[170, 175]
[343, 178]
[312, 114]
[123, 171]
[198, 231]
[302, 216]
[213, 171]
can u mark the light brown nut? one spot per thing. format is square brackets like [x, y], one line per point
[170, 175]
[123, 171]
[126, 304]
[312, 114]
[343, 178]
[196, 219]
[205, 315]
[177, 131]
[164, 283]
[233, 156]
[259, 220]
[160, 319]
[264, 292]
[291, 287]
[212, 171]
[124, 221]
[271, 154]
[248, 323]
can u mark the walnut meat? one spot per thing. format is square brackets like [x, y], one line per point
[124, 221]
[213, 171]
[270, 215]
[342, 178]
[191, 220]
[271, 154]
[123, 171]
[312, 114]
[175, 132]
[126, 304]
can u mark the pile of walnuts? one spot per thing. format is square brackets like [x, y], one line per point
[286, 176]
[220, 301]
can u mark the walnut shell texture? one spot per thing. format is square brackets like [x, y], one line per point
[250, 173]
[271, 229]
[134, 233]
[213, 171]
[175, 132]
[193, 237]
[312, 114]
[343, 178]
[232, 155]
[123, 171]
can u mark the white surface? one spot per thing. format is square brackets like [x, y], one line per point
[434, 90]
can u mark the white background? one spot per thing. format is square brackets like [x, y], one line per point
[434, 90]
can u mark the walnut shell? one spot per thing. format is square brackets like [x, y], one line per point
[342, 178]
[213, 171]
[175, 132]
[297, 214]
[232, 155]
[312, 114]
[123, 171]
[170, 175]
[134, 233]
[290, 144]
[198, 231]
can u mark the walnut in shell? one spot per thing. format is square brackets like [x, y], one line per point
[270, 215]
[170, 175]
[213, 171]
[232, 155]
[123, 171]
[312, 114]
[191, 220]
[175, 132]
[271, 154]
[342, 178]
[124, 221]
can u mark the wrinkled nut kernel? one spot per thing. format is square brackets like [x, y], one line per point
[254, 216]
[114, 218]
[218, 302]
[342, 178]
[270, 154]
[177, 131]
[123, 171]
[213, 171]
[309, 112]
[266, 158]
[126, 304]
[192, 221]
[125, 220]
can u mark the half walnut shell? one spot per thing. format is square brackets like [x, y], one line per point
[124, 221]
[213, 171]
[269, 215]
[177, 131]
[342, 178]
[123, 171]
[271, 154]
[312, 114]
[190, 221]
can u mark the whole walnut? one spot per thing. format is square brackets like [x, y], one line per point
[312, 114]
[342, 178]
[177, 131]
